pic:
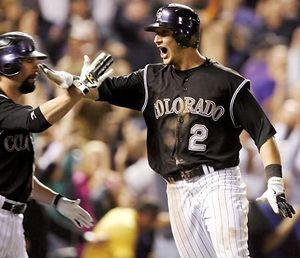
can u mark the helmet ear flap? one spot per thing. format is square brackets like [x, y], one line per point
[10, 64]
[182, 38]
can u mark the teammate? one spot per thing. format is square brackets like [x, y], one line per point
[18, 72]
[195, 110]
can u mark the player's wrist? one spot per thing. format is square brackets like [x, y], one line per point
[273, 170]
[275, 184]
[81, 86]
[56, 199]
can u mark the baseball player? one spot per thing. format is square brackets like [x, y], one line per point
[195, 110]
[18, 72]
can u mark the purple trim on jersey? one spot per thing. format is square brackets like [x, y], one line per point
[4, 96]
[233, 99]
[146, 88]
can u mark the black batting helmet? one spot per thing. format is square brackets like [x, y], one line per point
[13, 47]
[182, 19]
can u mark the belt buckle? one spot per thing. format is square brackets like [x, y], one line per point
[186, 175]
[17, 209]
[13, 208]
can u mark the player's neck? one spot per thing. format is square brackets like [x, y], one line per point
[189, 58]
[10, 89]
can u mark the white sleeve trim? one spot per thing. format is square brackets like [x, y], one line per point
[2, 95]
[146, 88]
[233, 100]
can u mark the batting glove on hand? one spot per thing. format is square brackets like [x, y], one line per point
[92, 75]
[63, 79]
[72, 210]
[276, 197]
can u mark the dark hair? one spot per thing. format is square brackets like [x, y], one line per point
[149, 207]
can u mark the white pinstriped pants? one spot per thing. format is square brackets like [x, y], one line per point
[12, 240]
[209, 215]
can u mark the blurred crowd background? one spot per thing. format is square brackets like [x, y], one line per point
[98, 152]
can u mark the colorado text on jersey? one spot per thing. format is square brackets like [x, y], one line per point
[179, 105]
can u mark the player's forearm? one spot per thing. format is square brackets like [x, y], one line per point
[269, 153]
[42, 193]
[55, 109]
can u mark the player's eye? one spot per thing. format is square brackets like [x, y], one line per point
[29, 60]
[164, 32]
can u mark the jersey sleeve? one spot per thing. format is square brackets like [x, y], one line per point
[19, 117]
[251, 117]
[124, 91]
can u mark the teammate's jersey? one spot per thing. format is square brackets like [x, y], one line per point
[16, 148]
[193, 117]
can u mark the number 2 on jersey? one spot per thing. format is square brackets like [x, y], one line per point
[199, 134]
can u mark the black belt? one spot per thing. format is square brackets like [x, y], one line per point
[188, 174]
[14, 208]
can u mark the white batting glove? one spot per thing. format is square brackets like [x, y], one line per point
[63, 79]
[72, 210]
[92, 75]
[276, 197]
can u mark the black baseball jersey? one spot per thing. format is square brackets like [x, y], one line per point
[16, 147]
[193, 117]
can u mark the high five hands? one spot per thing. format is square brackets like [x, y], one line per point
[91, 77]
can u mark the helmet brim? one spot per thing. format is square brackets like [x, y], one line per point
[153, 27]
[35, 54]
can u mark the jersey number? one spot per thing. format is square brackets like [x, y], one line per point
[199, 134]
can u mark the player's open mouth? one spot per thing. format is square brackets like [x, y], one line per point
[32, 77]
[163, 52]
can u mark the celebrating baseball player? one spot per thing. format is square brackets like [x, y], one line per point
[18, 72]
[195, 109]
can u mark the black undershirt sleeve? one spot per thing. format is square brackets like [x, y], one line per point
[39, 124]
[19, 117]
[249, 114]
[124, 91]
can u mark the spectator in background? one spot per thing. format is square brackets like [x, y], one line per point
[241, 31]
[274, 19]
[291, 8]
[11, 12]
[215, 29]
[89, 174]
[57, 14]
[288, 127]
[129, 23]
[145, 187]
[54, 26]
[82, 39]
[293, 60]
[125, 232]
[257, 69]
[277, 67]
[103, 13]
